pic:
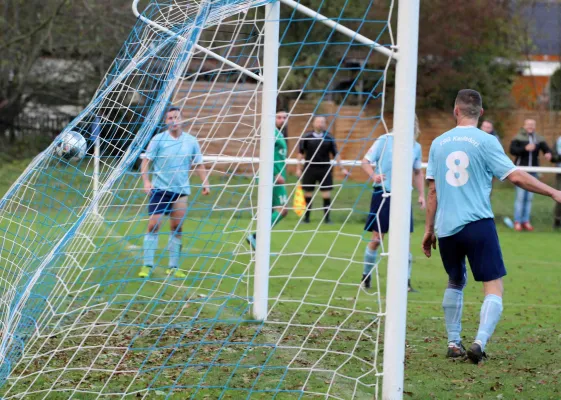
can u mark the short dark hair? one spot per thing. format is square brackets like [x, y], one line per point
[469, 102]
[487, 120]
[173, 109]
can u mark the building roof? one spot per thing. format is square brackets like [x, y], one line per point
[539, 68]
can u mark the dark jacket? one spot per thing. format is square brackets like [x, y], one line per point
[495, 134]
[556, 157]
[525, 158]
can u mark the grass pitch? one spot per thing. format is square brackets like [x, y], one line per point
[523, 364]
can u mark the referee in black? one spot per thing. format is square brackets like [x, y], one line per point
[317, 148]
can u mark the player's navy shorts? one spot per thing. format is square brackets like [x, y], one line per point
[161, 202]
[478, 241]
[379, 215]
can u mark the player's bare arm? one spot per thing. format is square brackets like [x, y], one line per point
[145, 173]
[527, 182]
[367, 167]
[299, 158]
[203, 175]
[279, 180]
[429, 240]
[344, 170]
[419, 183]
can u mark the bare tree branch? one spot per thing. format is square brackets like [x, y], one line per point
[37, 29]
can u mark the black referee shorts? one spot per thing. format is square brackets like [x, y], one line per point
[317, 175]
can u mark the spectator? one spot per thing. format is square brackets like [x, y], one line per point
[525, 147]
[557, 158]
[487, 126]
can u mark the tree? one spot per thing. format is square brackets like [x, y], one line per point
[322, 62]
[55, 49]
[474, 44]
[555, 90]
[470, 44]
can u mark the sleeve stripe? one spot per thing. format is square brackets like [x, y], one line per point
[502, 178]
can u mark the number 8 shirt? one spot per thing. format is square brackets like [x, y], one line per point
[462, 162]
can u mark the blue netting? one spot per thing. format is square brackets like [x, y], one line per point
[75, 316]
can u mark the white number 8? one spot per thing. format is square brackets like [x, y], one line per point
[457, 162]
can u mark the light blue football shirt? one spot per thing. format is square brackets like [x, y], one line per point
[171, 161]
[381, 154]
[462, 162]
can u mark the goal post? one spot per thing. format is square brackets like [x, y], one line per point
[267, 143]
[400, 213]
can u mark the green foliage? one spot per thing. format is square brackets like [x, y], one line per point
[317, 53]
[473, 44]
[555, 90]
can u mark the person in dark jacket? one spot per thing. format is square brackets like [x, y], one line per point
[526, 147]
[557, 158]
[487, 126]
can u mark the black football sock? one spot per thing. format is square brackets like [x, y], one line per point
[326, 207]
[308, 206]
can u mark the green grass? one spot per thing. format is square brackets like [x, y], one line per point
[523, 364]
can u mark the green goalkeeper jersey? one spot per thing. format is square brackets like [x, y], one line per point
[281, 149]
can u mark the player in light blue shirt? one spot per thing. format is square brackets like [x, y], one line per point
[171, 155]
[462, 163]
[380, 157]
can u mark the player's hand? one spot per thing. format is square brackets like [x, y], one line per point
[429, 243]
[530, 147]
[557, 196]
[299, 172]
[280, 180]
[378, 178]
[547, 156]
[206, 190]
[148, 187]
[422, 202]
[345, 172]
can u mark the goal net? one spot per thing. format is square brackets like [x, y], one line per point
[76, 319]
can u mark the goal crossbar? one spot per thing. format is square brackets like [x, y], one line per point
[341, 28]
[196, 45]
[298, 7]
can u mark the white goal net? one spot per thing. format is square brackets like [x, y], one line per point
[77, 321]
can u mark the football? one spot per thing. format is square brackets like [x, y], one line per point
[71, 146]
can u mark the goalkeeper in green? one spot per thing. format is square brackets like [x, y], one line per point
[280, 197]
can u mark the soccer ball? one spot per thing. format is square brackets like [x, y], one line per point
[71, 146]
